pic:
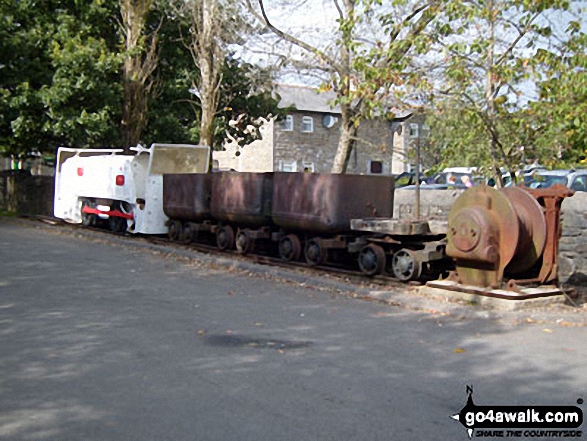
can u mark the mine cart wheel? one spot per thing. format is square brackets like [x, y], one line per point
[406, 265]
[244, 244]
[372, 260]
[174, 230]
[225, 237]
[290, 248]
[187, 233]
[88, 219]
[117, 224]
[314, 252]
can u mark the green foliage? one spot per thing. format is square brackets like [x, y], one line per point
[383, 71]
[560, 116]
[82, 101]
[61, 82]
[486, 74]
[245, 97]
[59, 75]
[24, 68]
[173, 115]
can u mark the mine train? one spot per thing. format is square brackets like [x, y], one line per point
[321, 219]
[311, 217]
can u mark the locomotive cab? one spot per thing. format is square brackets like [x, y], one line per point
[104, 185]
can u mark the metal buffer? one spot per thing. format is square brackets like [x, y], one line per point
[509, 234]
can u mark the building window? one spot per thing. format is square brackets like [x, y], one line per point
[414, 130]
[375, 167]
[288, 166]
[288, 123]
[307, 124]
[308, 167]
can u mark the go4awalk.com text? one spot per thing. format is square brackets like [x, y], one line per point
[520, 421]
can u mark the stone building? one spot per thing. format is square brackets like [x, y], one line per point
[307, 138]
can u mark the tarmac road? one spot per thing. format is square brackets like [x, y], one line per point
[106, 342]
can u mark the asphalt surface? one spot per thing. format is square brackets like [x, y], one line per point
[102, 341]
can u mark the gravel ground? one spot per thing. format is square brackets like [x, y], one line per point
[572, 312]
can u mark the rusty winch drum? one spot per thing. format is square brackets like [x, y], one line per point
[496, 233]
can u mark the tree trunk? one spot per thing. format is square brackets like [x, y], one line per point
[133, 113]
[139, 64]
[490, 97]
[209, 71]
[348, 132]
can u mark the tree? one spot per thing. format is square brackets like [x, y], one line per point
[226, 89]
[362, 71]
[245, 102]
[487, 63]
[339, 68]
[65, 67]
[82, 99]
[560, 114]
[140, 61]
[24, 68]
[208, 56]
[58, 76]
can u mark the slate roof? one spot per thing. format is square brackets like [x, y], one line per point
[308, 99]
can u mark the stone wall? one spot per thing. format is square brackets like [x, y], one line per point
[23, 193]
[254, 157]
[319, 146]
[433, 203]
[573, 243]
[294, 146]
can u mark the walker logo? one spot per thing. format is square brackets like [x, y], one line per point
[518, 421]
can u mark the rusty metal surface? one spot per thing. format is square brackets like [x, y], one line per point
[551, 200]
[399, 227]
[532, 226]
[242, 198]
[326, 203]
[520, 294]
[482, 235]
[498, 234]
[187, 196]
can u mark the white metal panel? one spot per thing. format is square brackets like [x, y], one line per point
[91, 173]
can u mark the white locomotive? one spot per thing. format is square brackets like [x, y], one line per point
[93, 185]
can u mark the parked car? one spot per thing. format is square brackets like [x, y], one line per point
[436, 187]
[574, 179]
[404, 179]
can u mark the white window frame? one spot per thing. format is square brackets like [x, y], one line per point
[309, 166]
[288, 166]
[414, 130]
[288, 123]
[307, 124]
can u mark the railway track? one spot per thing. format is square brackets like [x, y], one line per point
[344, 272]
